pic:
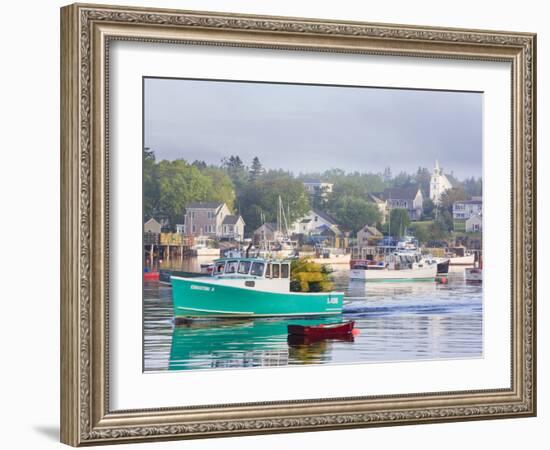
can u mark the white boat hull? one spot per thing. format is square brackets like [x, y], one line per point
[207, 252]
[467, 260]
[420, 274]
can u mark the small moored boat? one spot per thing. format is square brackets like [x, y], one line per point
[150, 276]
[322, 330]
[248, 287]
[397, 266]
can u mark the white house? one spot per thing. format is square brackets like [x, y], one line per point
[439, 183]
[312, 221]
[318, 187]
[474, 223]
[465, 209]
[233, 228]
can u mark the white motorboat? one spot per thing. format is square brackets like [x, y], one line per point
[398, 266]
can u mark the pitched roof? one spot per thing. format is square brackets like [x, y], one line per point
[375, 198]
[152, 219]
[408, 193]
[231, 220]
[204, 205]
[325, 216]
[372, 230]
[270, 226]
[454, 182]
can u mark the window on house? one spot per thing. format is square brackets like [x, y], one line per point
[210, 215]
[194, 228]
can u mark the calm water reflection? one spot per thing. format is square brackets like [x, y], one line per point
[397, 322]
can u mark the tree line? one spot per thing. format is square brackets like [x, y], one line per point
[253, 192]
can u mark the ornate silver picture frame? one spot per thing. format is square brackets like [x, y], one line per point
[87, 33]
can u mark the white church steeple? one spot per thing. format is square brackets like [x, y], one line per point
[439, 183]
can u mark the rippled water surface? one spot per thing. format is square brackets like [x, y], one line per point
[396, 322]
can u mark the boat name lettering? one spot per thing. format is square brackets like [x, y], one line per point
[201, 288]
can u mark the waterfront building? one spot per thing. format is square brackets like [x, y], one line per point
[463, 210]
[368, 236]
[233, 228]
[266, 232]
[209, 219]
[152, 226]
[410, 198]
[382, 205]
[439, 183]
[319, 218]
[318, 187]
[474, 223]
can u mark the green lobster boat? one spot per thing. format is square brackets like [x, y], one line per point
[249, 287]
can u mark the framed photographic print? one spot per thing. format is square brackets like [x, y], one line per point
[276, 224]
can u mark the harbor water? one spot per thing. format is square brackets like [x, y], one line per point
[396, 322]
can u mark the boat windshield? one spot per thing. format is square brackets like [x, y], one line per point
[219, 268]
[244, 267]
[257, 269]
[231, 266]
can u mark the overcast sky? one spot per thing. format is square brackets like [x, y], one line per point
[306, 128]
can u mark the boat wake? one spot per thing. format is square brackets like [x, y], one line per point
[364, 309]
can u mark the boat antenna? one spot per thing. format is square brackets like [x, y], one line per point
[248, 249]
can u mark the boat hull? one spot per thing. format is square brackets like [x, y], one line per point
[200, 298]
[380, 275]
[443, 266]
[467, 260]
[322, 330]
[473, 275]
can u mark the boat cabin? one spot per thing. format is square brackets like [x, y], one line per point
[251, 267]
[404, 260]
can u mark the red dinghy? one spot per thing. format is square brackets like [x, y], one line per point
[151, 276]
[323, 330]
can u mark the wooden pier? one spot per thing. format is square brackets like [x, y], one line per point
[166, 246]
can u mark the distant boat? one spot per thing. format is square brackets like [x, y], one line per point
[165, 274]
[473, 275]
[460, 256]
[203, 247]
[150, 276]
[397, 266]
[249, 287]
[442, 265]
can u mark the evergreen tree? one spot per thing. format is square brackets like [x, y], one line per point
[256, 170]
